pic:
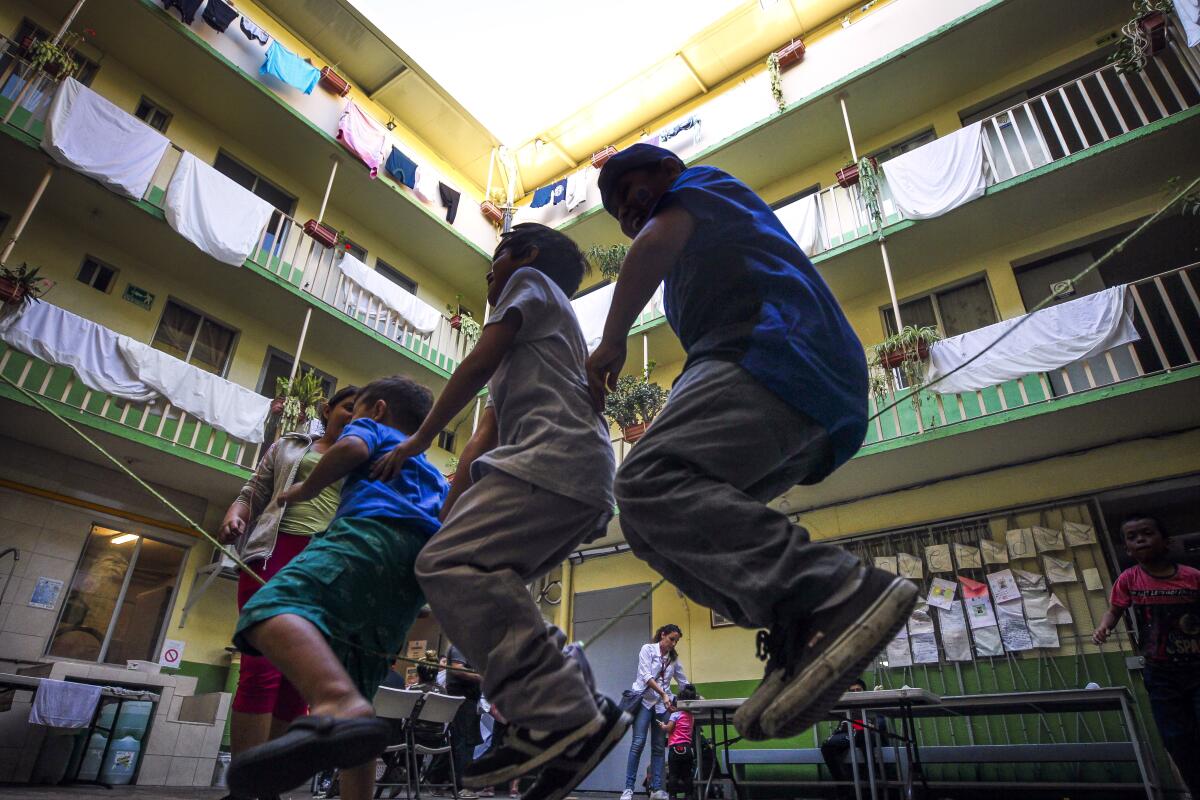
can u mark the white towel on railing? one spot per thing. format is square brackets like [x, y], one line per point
[212, 212]
[64, 704]
[90, 134]
[59, 337]
[802, 220]
[592, 311]
[1189, 16]
[416, 312]
[209, 398]
[939, 176]
[1052, 338]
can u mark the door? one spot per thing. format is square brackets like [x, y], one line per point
[614, 664]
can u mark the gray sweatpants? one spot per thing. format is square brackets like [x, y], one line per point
[692, 497]
[502, 534]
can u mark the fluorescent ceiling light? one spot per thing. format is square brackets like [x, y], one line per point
[124, 538]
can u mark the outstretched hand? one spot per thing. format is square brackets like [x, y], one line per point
[603, 368]
[389, 465]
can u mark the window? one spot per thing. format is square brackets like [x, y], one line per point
[278, 364]
[356, 250]
[955, 310]
[791, 198]
[395, 276]
[153, 114]
[446, 441]
[903, 146]
[11, 79]
[283, 202]
[195, 338]
[97, 275]
[119, 598]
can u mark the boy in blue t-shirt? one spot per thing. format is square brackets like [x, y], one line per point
[773, 393]
[334, 617]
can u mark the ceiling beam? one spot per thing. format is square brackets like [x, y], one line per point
[692, 71]
[392, 81]
[557, 148]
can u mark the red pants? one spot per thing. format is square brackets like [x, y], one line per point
[261, 688]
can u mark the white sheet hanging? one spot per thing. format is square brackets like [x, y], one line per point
[592, 311]
[1052, 338]
[90, 134]
[937, 177]
[416, 312]
[64, 704]
[802, 219]
[57, 336]
[577, 186]
[212, 212]
[1189, 16]
[207, 397]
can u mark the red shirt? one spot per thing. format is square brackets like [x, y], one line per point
[1167, 611]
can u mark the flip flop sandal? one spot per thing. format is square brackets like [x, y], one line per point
[310, 745]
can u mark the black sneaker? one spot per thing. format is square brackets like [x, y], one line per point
[812, 661]
[521, 751]
[567, 771]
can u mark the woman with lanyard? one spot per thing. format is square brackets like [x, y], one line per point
[658, 666]
[267, 538]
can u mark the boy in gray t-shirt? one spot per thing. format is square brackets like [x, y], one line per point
[533, 483]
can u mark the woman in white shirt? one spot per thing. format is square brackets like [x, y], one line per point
[658, 666]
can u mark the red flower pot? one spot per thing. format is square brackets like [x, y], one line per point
[634, 432]
[790, 54]
[894, 358]
[456, 322]
[11, 292]
[600, 156]
[321, 232]
[1154, 25]
[334, 83]
[848, 176]
[276, 406]
[491, 212]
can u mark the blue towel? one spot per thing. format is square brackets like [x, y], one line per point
[541, 197]
[64, 704]
[559, 191]
[290, 68]
[402, 168]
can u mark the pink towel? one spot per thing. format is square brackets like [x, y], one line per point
[362, 136]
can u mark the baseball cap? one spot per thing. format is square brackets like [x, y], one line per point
[632, 157]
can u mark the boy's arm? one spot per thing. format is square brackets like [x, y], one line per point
[651, 256]
[466, 382]
[485, 438]
[346, 455]
[1107, 623]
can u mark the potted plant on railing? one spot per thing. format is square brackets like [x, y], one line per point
[905, 352]
[608, 259]
[56, 60]
[297, 400]
[634, 404]
[21, 285]
[493, 208]
[602, 155]
[1143, 36]
[773, 74]
[849, 175]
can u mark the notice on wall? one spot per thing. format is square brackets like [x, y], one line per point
[1091, 580]
[954, 633]
[1078, 534]
[1059, 570]
[941, 593]
[967, 556]
[919, 621]
[1047, 539]
[887, 563]
[45, 593]
[1020, 543]
[898, 654]
[416, 648]
[171, 655]
[924, 648]
[937, 556]
[1013, 630]
[987, 642]
[1003, 585]
[1044, 633]
[1029, 581]
[993, 552]
[910, 566]
[979, 612]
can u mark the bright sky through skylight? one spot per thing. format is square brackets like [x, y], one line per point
[522, 66]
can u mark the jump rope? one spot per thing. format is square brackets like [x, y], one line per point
[242, 565]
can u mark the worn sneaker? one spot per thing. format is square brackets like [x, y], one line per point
[812, 661]
[659, 794]
[521, 751]
[567, 771]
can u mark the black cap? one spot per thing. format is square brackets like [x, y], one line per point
[632, 157]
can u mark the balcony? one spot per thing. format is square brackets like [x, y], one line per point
[284, 252]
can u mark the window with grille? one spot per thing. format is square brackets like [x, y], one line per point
[446, 441]
[953, 311]
[153, 114]
[97, 274]
[395, 276]
[192, 336]
[355, 249]
[284, 203]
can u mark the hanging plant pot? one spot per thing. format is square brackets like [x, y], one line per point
[334, 83]
[53, 69]
[600, 156]
[848, 176]
[790, 54]
[634, 432]
[321, 233]
[12, 293]
[456, 322]
[1154, 25]
[491, 212]
[894, 358]
[27, 43]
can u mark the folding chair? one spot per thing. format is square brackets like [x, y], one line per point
[398, 706]
[438, 709]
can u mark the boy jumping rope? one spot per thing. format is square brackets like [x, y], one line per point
[1165, 599]
[533, 483]
[329, 619]
[773, 393]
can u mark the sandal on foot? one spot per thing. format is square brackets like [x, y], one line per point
[310, 745]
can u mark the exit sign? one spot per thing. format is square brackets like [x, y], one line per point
[138, 296]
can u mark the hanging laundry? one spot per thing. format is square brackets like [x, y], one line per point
[692, 123]
[212, 212]
[802, 221]
[424, 189]
[402, 168]
[290, 68]
[219, 14]
[932, 180]
[450, 199]
[187, 9]
[253, 32]
[558, 191]
[64, 704]
[542, 196]
[364, 137]
[576, 189]
[415, 312]
[88, 133]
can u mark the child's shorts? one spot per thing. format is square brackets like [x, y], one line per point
[355, 583]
